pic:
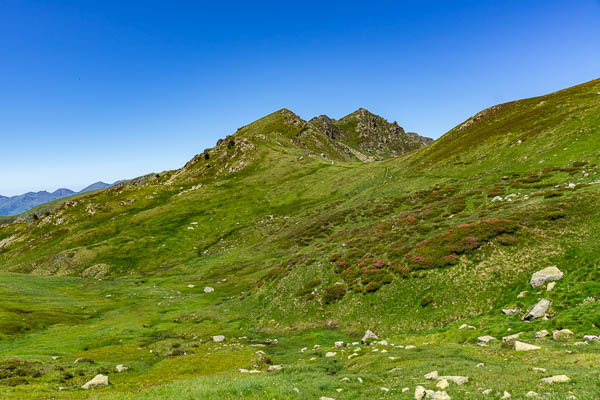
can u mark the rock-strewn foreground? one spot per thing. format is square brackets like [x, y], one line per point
[287, 262]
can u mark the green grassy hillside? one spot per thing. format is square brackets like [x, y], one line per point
[306, 245]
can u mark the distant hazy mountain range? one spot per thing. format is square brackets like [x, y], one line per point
[16, 205]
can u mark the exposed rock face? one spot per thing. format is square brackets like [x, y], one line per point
[369, 136]
[538, 310]
[546, 275]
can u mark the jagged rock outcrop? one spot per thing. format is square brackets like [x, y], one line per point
[369, 136]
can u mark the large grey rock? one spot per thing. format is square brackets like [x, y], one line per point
[522, 346]
[98, 380]
[546, 275]
[538, 310]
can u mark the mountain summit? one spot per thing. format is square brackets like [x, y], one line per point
[369, 136]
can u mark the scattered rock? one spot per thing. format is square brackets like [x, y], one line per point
[506, 395]
[208, 289]
[546, 275]
[522, 346]
[562, 334]
[419, 392]
[264, 358]
[326, 398]
[480, 365]
[509, 311]
[382, 343]
[409, 347]
[98, 380]
[121, 368]
[538, 310]
[432, 375]
[273, 368]
[440, 396]
[339, 345]
[369, 337]
[190, 286]
[556, 379]
[84, 360]
[218, 338]
[541, 334]
[465, 326]
[384, 389]
[550, 286]
[538, 369]
[486, 392]
[459, 380]
[443, 384]
[485, 339]
[591, 338]
[522, 294]
[531, 394]
[56, 357]
[330, 354]
[510, 339]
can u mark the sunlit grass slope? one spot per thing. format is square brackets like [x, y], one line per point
[304, 244]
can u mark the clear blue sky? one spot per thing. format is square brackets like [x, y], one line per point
[104, 90]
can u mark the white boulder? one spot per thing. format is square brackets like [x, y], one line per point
[556, 379]
[97, 381]
[538, 310]
[522, 346]
[546, 275]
